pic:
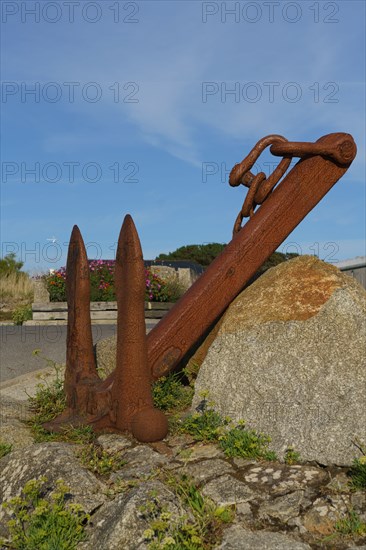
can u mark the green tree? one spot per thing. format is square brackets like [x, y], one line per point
[9, 264]
[202, 254]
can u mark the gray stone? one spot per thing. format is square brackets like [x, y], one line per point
[289, 358]
[105, 352]
[41, 294]
[207, 469]
[13, 430]
[323, 514]
[283, 508]
[53, 461]
[114, 443]
[201, 452]
[278, 479]
[141, 462]
[238, 538]
[120, 524]
[226, 491]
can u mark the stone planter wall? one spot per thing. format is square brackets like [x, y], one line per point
[44, 310]
[99, 311]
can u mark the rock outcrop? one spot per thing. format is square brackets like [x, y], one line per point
[289, 358]
[277, 506]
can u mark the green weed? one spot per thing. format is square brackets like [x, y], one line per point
[207, 425]
[39, 524]
[201, 531]
[99, 461]
[239, 442]
[5, 448]
[351, 525]
[169, 393]
[291, 456]
[204, 426]
[358, 473]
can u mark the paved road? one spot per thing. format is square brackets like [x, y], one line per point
[18, 343]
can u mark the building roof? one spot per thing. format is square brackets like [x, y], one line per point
[353, 263]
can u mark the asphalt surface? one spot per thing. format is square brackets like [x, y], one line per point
[19, 342]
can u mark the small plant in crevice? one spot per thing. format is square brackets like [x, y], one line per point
[291, 456]
[207, 425]
[358, 473]
[40, 524]
[5, 448]
[351, 524]
[99, 461]
[191, 371]
[241, 442]
[204, 426]
[169, 393]
[201, 529]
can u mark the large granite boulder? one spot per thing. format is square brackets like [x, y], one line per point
[289, 357]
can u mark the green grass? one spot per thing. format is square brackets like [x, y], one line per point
[358, 473]
[5, 448]
[40, 524]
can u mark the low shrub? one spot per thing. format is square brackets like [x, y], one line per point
[21, 314]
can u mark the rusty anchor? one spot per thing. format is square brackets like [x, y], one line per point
[275, 207]
[128, 406]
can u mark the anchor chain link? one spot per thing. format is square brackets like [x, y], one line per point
[260, 187]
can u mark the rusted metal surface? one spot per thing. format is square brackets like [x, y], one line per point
[127, 405]
[123, 401]
[81, 374]
[284, 208]
[132, 401]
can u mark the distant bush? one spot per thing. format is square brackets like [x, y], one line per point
[9, 264]
[102, 287]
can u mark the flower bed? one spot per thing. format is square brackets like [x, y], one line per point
[102, 287]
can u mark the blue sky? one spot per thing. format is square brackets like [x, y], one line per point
[131, 112]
